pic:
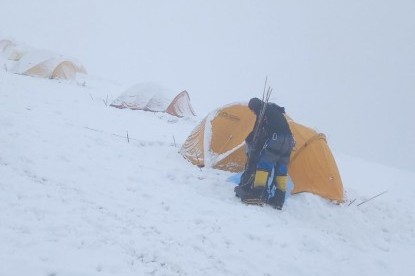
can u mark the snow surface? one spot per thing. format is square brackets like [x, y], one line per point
[88, 189]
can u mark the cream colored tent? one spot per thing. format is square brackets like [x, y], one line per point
[180, 105]
[154, 97]
[219, 142]
[11, 50]
[48, 65]
[5, 44]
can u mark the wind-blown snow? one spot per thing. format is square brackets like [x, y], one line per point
[87, 189]
[78, 199]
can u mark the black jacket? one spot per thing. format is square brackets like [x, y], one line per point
[273, 121]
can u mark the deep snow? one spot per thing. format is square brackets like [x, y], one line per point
[78, 198]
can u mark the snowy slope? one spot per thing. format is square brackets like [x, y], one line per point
[87, 189]
[78, 199]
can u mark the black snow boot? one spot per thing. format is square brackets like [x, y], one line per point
[245, 184]
[241, 190]
[256, 196]
[277, 201]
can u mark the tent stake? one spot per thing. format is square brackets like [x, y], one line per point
[371, 198]
[351, 202]
[105, 101]
[199, 165]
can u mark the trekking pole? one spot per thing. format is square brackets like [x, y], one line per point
[265, 87]
[258, 125]
[373, 197]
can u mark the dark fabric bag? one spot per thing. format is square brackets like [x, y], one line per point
[278, 149]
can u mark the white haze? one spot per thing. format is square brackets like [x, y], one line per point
[344, 67]
[77, 199]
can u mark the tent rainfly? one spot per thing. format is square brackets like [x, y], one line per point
[155, 98]
[48, 65]
[11, 50]
[219, 142]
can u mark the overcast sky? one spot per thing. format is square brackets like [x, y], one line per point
[346, 68]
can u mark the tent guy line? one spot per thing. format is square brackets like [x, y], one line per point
[373, 197]
[127, 137]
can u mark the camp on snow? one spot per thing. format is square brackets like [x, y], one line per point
[219, 142]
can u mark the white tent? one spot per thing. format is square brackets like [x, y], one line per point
[154, 97]
[48, 65]
[12, 50]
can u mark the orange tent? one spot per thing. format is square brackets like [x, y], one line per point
[219, 142]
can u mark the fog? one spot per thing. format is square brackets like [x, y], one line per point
[346, 68]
